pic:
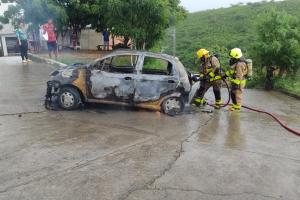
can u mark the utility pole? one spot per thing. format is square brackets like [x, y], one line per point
[174, 40]
[173, 21]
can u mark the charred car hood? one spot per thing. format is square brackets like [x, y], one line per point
[68, 69]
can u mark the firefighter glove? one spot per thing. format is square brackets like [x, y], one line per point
[235, 81]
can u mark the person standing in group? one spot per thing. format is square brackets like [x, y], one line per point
[106, 40]
[23, 42]
[237, 77]
[210, 75]
[49, 28]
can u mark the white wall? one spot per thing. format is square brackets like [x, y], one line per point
[4, 48]
[90, 39]
[4, 45]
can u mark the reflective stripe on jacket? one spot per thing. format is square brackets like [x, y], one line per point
[237, 73]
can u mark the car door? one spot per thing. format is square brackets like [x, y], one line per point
[113, 78]
[157, 78]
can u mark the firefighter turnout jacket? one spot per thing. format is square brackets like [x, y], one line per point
[210, 69]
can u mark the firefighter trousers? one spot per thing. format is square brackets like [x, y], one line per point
[236, 95]
[205, 85]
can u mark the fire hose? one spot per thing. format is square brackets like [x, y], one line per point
[295, 132]
[278, 120]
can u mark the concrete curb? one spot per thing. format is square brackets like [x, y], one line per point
[288, 93]
[46, 60]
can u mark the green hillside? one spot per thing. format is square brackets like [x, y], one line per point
[221, 29]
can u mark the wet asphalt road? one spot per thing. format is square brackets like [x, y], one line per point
[112, 153]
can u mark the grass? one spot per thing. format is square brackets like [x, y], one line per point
[257, 81]
[155, 64]
[221, 29]
[289, 84]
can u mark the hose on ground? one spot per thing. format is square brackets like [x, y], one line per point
[228, 90]
[295, 132]
[278, 120]
[229, 98]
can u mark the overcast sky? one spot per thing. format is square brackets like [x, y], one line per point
[197, 5]
[3, 7]
[192, 5]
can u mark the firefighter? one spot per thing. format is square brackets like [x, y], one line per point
[237, 77]
[210, 75]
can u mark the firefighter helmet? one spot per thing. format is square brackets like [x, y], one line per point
[236, 53]
[202, 52]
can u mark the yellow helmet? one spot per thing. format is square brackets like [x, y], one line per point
[236, 53]
[202, 52]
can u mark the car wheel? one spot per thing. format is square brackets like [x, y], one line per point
[172, 106]
[69, 98]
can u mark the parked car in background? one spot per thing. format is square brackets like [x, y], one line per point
[130, 78]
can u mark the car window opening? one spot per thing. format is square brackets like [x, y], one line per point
[125, 64]
[157, 66]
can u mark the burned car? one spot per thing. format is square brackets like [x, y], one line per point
[130, 78]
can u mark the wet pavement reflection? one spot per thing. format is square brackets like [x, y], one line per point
[109, 152]
[234, 137]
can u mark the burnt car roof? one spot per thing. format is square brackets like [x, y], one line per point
[161, 55]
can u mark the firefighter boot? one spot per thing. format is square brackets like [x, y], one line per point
[218, 104]
[199, 102]
[235, 107]
[218, 100]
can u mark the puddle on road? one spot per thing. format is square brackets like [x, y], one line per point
[224, 130]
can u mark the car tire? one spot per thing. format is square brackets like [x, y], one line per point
[69, 98]
[172, 106]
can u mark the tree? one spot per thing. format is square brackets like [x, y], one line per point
[142, 21]
[178, 12]
[3, 20]
[79, 14]
[279, 41]
[35, 13]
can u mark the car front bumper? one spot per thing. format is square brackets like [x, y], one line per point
[51, 93]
